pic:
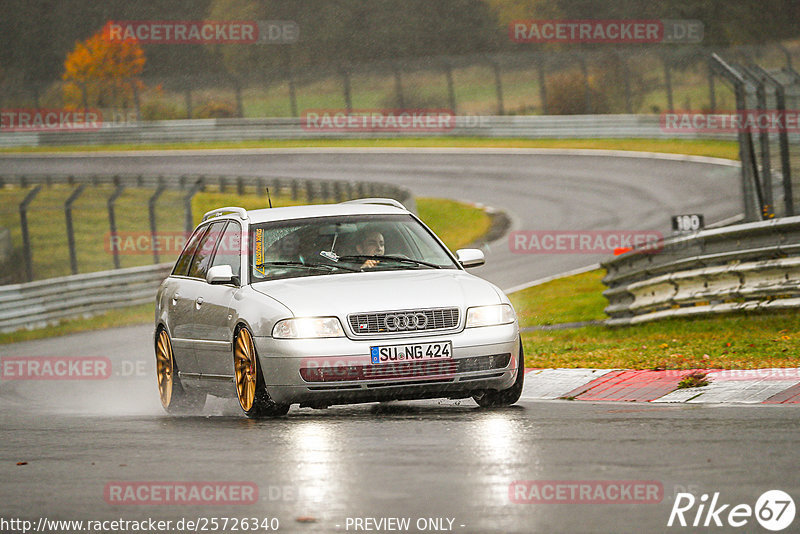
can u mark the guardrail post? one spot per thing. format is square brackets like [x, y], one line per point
[112, 221]
[276, 187]
[310, 191]
[26, 239]
[295, 190]
[239, 185]
[151, 210]
[73, 256]
[187, 206]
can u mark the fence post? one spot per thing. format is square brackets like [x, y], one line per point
[187, 206]
[626, 74]
[348, 101]
[540, 66]
[498, 86]
[587, 87]
[151, 209]
[668, 83]
[451, 91]
[73, 256]
[26, 239]
[136, 101]
[712, 93]
[237, 88]
[768, 207]
[398, 87]
[112, 218]
[746, 156]
[287, 60]
[188, 97]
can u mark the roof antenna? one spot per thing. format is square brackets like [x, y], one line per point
[270, 200]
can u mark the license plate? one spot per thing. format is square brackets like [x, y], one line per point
[411, 352]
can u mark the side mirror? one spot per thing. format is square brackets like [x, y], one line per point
[221, 274]
[470, 257]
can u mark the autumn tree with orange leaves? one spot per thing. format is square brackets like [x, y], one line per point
[103, 72]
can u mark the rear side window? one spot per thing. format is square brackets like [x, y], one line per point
[205, 250]
[182, 265]
[229, 250]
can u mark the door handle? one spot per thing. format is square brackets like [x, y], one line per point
[175, 298]
[199, 301]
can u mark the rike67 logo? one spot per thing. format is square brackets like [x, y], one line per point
[774, 510]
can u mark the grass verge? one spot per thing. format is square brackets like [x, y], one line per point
[736, 341]
[458, 224]
[694, 147]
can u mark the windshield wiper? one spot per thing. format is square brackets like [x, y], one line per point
[300, 264]
[391, 258]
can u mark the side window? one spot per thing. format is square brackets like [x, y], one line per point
[205, 250]
[229, 250]
[182, 265]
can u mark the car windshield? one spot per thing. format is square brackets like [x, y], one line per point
[337, 245]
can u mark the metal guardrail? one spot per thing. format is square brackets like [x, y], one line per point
[37, 304]
[753, 266]
[501, 126]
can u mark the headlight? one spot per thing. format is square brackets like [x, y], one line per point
[490, 315]
[308, 327]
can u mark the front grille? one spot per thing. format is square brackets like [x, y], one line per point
[405, 370]
[365, 324]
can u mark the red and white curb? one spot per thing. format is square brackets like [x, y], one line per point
[749, 386]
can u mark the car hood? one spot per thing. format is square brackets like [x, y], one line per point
[344, 294]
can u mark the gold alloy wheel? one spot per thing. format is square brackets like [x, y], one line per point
[244, 362]
[164, 368]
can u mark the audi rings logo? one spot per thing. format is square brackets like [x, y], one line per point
[406, 321]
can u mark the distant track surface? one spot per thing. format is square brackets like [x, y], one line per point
[540, 189]
[431, 459]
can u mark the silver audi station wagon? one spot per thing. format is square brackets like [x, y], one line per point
[330, 304]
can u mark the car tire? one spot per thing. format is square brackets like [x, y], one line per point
[506, 397]
[251, 389]
[175, 397]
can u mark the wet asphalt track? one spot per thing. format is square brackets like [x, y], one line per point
[417, 459]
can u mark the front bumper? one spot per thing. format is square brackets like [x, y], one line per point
[321, 372]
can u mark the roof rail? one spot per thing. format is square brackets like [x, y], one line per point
[221, 211]
[379, 201]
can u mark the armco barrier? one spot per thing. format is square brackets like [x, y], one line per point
[36, 304]
[742, 267]
[511, 126]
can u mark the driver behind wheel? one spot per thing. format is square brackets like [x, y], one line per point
[370, 243]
